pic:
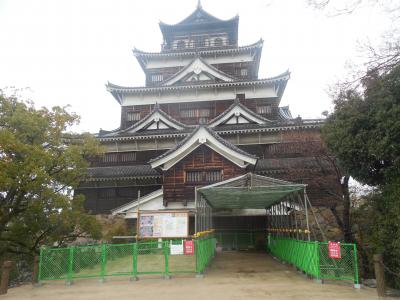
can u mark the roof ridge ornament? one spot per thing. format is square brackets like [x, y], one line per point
[199, 6]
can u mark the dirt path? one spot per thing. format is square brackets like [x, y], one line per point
[232, 275]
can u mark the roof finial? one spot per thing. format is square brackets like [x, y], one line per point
[199, 4]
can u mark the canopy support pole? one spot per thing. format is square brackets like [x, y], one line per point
[196, 212]
[306, 210]
[316, 220]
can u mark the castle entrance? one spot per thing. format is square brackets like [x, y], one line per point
[287, 233]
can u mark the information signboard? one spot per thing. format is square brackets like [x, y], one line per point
[163, 224]
[334, 250]
[188, 247]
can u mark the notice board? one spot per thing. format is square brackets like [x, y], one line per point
[163, 224]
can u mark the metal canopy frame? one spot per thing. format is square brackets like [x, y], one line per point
[282, 200]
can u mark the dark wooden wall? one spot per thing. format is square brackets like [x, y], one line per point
[103, 200]
[203, 158]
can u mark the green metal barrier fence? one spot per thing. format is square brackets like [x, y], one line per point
[205, 252]
[312, 258]
[135, 259]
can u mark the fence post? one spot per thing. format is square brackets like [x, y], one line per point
[103, 262]
[166, 254]
[5, 276]
[134, 262]
[70, 265]
[40, 265]
[356, 279]
[379, 274]
[317, 263]
[199, 259]
[35, 273]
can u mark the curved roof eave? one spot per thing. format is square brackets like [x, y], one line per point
[282, 78]
[139, 53]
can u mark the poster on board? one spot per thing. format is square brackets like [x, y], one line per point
[166, 224]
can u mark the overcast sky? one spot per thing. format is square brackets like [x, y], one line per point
[66, 50]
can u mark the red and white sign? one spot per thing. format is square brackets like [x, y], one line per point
[188, 247]
[334, 250]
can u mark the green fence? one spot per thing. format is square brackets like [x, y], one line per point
[205, 252]
[142, 258]
[312, 258]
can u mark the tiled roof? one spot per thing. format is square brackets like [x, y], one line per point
[122, 132]
[278, 125]
[282, 78]
[122, 172]
[199, 15]
[201, 52]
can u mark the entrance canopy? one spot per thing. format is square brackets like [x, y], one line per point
[248, 191]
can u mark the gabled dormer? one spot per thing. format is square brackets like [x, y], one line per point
[157, 119]
[198, 71]
[237, 113]
[203, 136]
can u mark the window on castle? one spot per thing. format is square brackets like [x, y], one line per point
[181, 45]
[195, 112]
[194, 176]
[106, 193]
[213, 176]
[110, 157]
[208, 176]
[264, 109]
[114, 157]
[243, 72]
[133, 116]
[127, 156]
[203, 42]
[218, 42]
[157, 77]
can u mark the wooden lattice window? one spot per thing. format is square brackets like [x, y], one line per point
[133, 116]
[157, 77]
[243, 72]
[110, 157]
[207, 176]
[194, 176]
[213, 176]
[127, 156]
[195, 112]
[115, 157]
[264, 109]
[107, 193]
[218, 42]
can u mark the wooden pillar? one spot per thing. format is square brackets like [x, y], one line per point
[5, 276]
[379, 274]
[35, 273]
